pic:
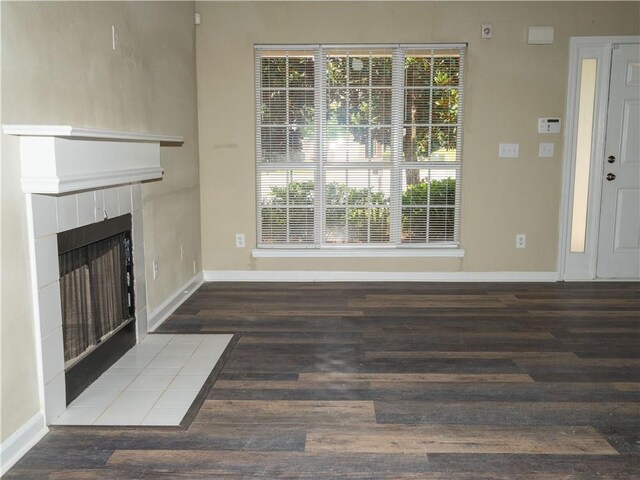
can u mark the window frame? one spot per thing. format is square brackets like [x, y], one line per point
[397, 166]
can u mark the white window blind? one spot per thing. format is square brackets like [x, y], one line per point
[358, 145]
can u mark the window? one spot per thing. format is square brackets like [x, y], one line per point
[358, 146]
[586, 107]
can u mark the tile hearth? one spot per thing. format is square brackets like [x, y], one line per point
[154, 383]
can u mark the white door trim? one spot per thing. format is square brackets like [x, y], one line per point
[582, 266]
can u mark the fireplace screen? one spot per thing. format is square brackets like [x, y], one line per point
[96, 293]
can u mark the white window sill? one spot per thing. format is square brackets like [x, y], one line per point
[356, 252]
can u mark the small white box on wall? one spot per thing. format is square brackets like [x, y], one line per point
[549, 125]
[540, 35]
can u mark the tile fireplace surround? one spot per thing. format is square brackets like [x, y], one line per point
[74, 177]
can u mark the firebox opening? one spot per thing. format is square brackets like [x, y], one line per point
[96, 290]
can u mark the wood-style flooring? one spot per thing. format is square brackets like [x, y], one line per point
[391, 381]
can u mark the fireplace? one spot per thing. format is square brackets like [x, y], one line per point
[75, 177]
[97, 299]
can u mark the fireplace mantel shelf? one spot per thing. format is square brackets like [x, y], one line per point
[60, 159]
[87, 133]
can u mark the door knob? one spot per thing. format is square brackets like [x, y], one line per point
[610, 176]
[611, 159]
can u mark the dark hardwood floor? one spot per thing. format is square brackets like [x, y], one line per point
[392, 381]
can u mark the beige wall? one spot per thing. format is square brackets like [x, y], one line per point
[58, 67]
[509, 84]
[19, 399]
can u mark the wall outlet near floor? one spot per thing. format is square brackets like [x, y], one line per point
[239, 240]
[521, 240]
[195, 268]
[155, 265]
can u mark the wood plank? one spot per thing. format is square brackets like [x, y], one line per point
[287, 411]
[277, 376]
[387, 378]
[410, 342]
[289, 385]
[354, 362]
[577, 362]
[512, 355]
[470, 335]
[627, 386]
[411, 439]
[60, 457]
[510, 413]
[302, 338]
[198, 436]
[267, 465]
[635, 330]
[284, 312]
[598, 303]
[342, 381]
[433, 301]
[563, 313]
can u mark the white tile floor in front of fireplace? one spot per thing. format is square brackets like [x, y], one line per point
[154, 383]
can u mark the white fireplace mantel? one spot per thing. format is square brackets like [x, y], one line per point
[74, 177]
[59, 159]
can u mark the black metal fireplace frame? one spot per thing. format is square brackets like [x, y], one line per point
[88, 368]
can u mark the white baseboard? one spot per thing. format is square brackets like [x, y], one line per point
[324, 276]
[21, 441]
[579, 278]
[166, 308]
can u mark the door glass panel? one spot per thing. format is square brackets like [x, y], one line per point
[583, 154]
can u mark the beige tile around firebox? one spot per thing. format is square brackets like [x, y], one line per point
[154, 383]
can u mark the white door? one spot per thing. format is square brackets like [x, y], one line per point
[619, 236]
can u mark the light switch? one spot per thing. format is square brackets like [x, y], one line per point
[509, 150]
[546, 150]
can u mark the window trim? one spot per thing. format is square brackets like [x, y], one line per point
[319, 248]
[363, 251]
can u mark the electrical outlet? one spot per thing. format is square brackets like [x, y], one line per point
[239, 240]
[509, 150]
[546, 150]
[155, 265]
[521, 240]
[181, 251]
[195, 268]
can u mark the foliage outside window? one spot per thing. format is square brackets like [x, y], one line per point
[359, 145]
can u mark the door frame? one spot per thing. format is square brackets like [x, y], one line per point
[572, 265]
